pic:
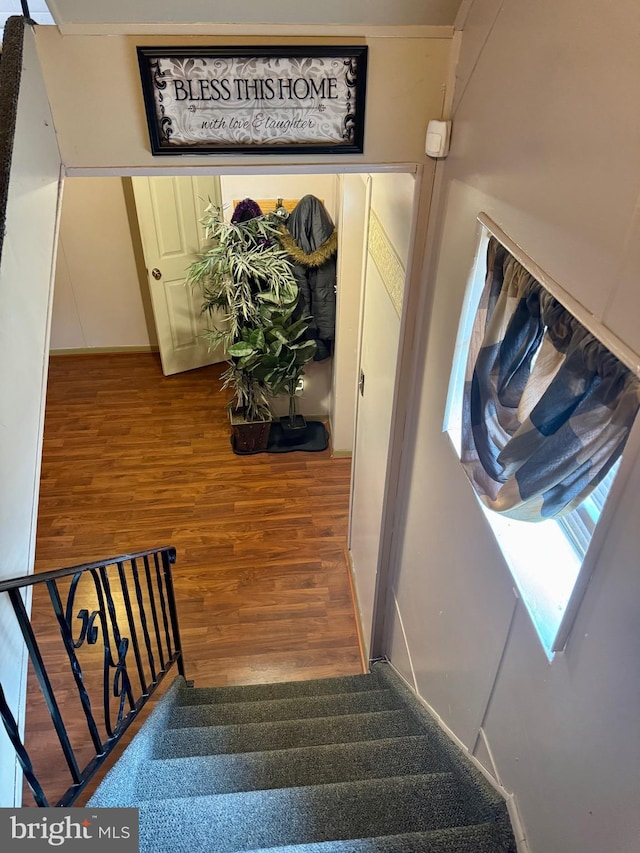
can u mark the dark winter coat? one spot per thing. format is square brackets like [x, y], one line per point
[310, 239]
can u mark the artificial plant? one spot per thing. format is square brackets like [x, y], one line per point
[249, 277]
[276, 352]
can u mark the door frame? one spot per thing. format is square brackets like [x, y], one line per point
[407, 369]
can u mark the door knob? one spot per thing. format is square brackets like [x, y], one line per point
[155, 272]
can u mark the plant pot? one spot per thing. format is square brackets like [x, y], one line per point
[248, 436]
[293, 429]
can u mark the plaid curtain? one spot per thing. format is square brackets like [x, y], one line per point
[547, 408]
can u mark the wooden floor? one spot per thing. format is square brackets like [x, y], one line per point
[135, 460]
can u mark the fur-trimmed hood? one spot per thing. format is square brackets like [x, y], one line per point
[314, 259]
[309, 236]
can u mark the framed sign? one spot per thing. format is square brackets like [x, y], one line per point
[254, 100]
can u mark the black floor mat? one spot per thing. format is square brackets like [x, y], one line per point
[315, 439]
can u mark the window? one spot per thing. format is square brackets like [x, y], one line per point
[527, 371]
[579, 525]
[37, 9]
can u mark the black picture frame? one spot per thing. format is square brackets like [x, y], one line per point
[346, 119]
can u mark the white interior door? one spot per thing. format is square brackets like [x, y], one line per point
[377, 365]
[169, 213]
[390, 222]
[352, 235]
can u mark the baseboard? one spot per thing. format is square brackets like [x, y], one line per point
[101, 350]
[508, 797]
[364, 663]
[516, 825]
[335, 454]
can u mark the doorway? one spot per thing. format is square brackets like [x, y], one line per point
[373, 259]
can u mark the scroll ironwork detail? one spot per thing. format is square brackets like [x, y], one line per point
[127, 605]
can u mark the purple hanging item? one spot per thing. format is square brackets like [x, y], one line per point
[245, 210]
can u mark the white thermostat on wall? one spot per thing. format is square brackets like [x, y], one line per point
[438, 135]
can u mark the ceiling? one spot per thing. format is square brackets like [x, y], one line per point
[327, 12]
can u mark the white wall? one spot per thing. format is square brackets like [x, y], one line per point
[93, 83]
[392, 202]
[546, 141]
[25, 284]
[98, 300]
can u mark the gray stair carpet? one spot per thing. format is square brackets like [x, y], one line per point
[351, 765]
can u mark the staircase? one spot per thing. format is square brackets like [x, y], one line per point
[352, 765]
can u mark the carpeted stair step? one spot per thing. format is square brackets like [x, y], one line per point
[258, 737]
[349, 765]
[232, 822]
[289, 768]
[278, 690]
[477, 838]
[301, 707]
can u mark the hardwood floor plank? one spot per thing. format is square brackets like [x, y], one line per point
[135, 460]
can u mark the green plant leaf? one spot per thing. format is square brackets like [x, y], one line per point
[298, 328]
[289, 293]
[270, 361]
[304, 346]
[256, 339]
[240, 349]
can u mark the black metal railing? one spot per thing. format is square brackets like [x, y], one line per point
[117, 637]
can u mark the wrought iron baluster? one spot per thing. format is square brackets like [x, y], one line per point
[76, 669]
[118, 663]
[44, 681]
[143, 619]
[132, 627]
[154, 612]
[163, 605]
[22, 755]
[169, 557]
